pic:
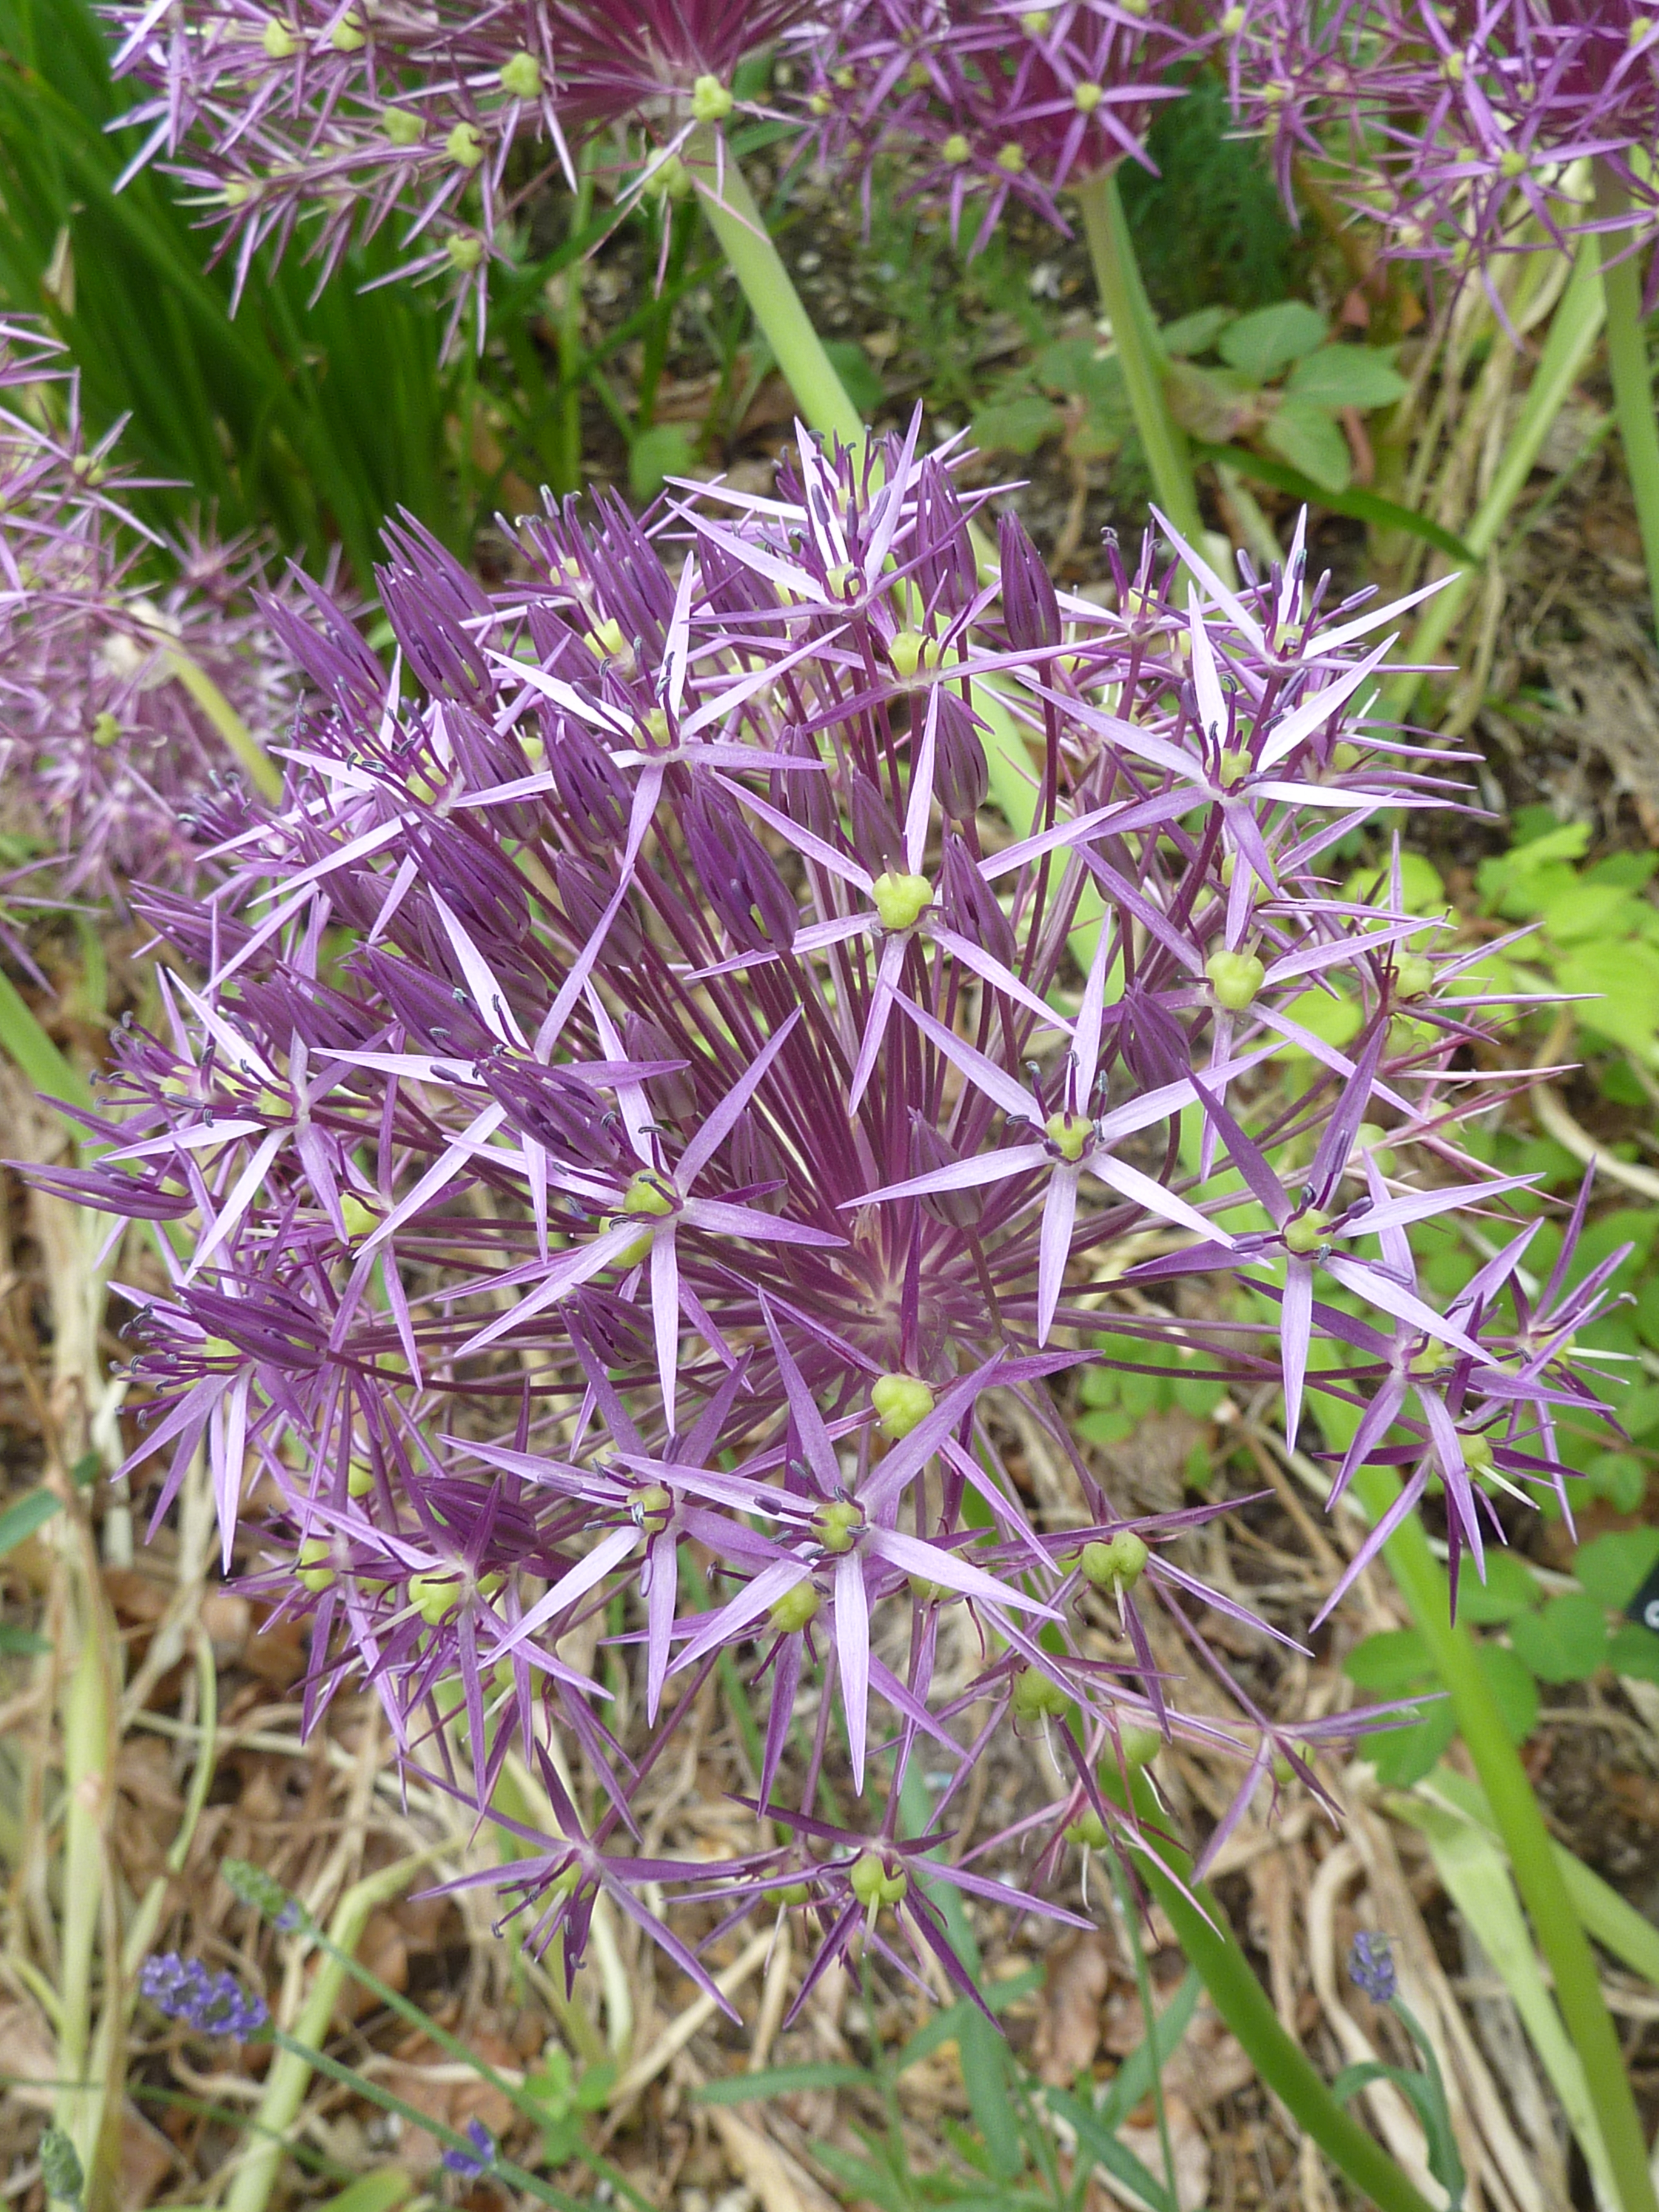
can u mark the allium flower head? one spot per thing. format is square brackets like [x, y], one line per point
[213, 2004]
[996, 99]
[345, 112]
[106, 751]
[642, 1122]
[1458, 124]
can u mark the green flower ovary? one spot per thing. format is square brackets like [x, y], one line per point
[1118, 1563]
[464, 146]
[1235, 979]
[911, 652]
[872, 1885]
[838, 1523]
[1069, 1133]
[795, 1610]
[521, 77]
[1412, 976]
[314, 1571]
[1088, 1830]
[903, 1403]
[1308, 1231]
[901, 901]
[645, 1194]
[652, 1507]
[711, 102]
[278, 41]
[1036, 1698]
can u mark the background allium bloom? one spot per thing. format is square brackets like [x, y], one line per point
[105, 755]
[1458, 122]
[343, 112]
[643, 1127]
[995, 97]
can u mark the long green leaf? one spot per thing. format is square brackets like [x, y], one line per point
[20, 1035]
[1363, 505]
[778, 2081]
[28, 1514]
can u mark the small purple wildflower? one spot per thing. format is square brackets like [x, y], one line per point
[643, 1125]
[483, 2145]
[213, 2004]
[1371, 1967]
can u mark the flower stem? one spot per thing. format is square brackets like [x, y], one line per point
[1117, 279]
[570, 337]
[1573, 329]
[1210, 1945]
[1627, 359]
[772, 300]
[262, 771]
[1520, 1823]
[290, 2076]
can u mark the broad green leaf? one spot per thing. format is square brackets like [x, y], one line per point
[1590, 910]
[1102, 2147]
[665, 450]
[1077, 368]
[1312, 441]
[1016, 426]
[1270, 339]
[1612, 1569]
[1345, 376]
[29, 1513]
[1509, 1679]
[1211, 402]
[1566, 1642]
[1197, 333]
[1567, 843]
[1421, 888]
[1404, 1755]
[1622, 982]
[1389, 1662]
[1634, 1650]
[1509, 1588]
